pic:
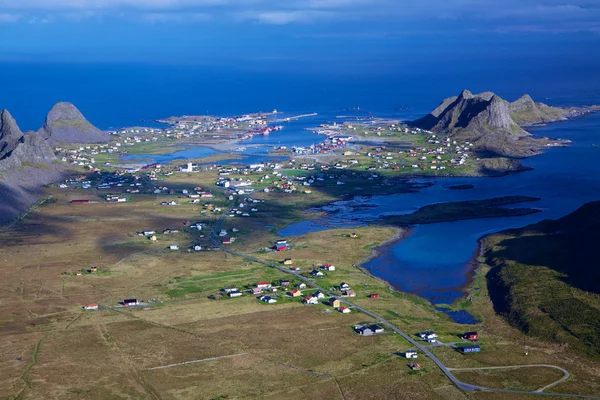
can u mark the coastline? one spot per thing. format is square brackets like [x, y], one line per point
[401, 234]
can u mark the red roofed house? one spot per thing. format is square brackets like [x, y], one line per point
[374, 296]
[263, 285]
[344, 310]
[296, 293]
[328, 267]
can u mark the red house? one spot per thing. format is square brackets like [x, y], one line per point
[472, 336]
[226, 241]
[374, 296]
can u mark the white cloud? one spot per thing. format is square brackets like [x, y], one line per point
[9, 18]
[164, 17]
[532, 15]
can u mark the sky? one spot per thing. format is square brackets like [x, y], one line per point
[327, 35]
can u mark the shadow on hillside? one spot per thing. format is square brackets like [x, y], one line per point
[574, 255]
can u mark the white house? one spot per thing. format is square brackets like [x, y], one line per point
[174, 247]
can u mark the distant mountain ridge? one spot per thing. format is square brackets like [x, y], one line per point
[493, 124]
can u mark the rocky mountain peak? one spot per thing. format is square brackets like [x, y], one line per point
[65, 123]
[10, 134]
[465, 94]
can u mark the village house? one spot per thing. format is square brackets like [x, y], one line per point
[333, 302]
[287, 261]
[263, 285]
[429, 336]
[368, 330]
[268, 299]
[174, 247]
[316, 273]
[344, 286]
[301, 285]
[328, 267]
[410, 354]
[295, 293]
[256, 290]
[91, 306]
[374, 296]
[349, 293]
[472, 336]
[319, 295]
[311, 300]
[281, 245]
[284, 282]
[234, 294]
[230, 289]
[415, 366]
[470, 349]
[130, 302]
[344, 310]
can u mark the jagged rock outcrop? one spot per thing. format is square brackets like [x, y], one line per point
[27, 162]
[10, 134]
[65, 124]
[493, 124]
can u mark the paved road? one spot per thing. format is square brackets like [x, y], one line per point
[382, 321]
[565, 376]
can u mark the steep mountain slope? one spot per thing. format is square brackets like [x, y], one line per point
[493, 124]
[27, 162]
[545, 278]
[64, 123]
[10, 134]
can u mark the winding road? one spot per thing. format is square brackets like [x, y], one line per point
[382, 321]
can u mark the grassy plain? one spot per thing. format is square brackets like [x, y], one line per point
[54, 349]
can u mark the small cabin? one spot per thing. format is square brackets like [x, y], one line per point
[410, 354]
[374, 296]
[470, 349]
[130, 302]
[333, 302]
[472, 336]
[91, 306]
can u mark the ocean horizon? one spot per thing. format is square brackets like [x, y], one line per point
[112, 96]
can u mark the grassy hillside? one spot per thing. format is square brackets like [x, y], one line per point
[545, 279]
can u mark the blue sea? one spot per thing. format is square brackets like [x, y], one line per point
[432, 262]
